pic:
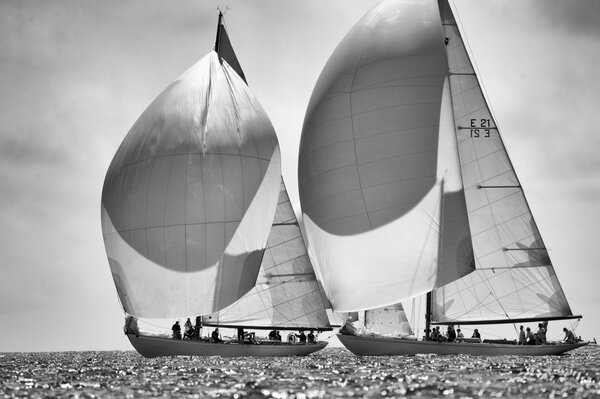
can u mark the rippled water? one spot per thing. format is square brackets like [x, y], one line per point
[330, 373]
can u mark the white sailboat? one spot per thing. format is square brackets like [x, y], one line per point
[407, 190]
[197, 222]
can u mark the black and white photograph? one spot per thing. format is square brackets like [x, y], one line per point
[299, 199]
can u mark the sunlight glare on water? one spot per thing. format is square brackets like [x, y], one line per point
[330, 373]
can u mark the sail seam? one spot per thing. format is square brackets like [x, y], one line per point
[351, 116]
[422, 54]
[314, 177]
[124, 166]
[484, 157]
[385, 84]
[498, 224]
[485, 282]
[362, 196]
[463, 93]
[412, 130]
[171, 225]
[327, 199]
[497, 299]
[165, 213]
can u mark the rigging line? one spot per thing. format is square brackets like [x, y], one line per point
[516, 291]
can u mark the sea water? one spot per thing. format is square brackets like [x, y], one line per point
[330, 373]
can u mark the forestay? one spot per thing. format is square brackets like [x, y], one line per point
[189, 197]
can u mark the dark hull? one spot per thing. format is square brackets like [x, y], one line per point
[381, 346]
[155, 347]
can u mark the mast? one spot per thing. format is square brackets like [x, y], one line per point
[224, 49]
[218, 39]
[428, 317]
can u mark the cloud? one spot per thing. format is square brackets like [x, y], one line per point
[578, 17]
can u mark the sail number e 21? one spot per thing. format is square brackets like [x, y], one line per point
[481, 130]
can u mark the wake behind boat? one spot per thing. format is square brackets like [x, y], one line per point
[197, 221]
[407, 191]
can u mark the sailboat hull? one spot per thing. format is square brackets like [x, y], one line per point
[156, 347]
[382, 346]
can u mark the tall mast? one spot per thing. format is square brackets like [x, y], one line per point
[218, 39]
[428, 317]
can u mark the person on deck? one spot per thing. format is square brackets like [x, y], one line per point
[131, 326]
[529, 337]
[240, 334]
[311, 337]
[476, 334]
[277, 336]
[435, 334]
[198, 327]
[522, 338]
[545, 325]
[215, 335]
[189, 331]
[273, 336]
[541, 334]
[450, 334]
[569, 336]
[301, 336]
[459, 335]
[176, 330]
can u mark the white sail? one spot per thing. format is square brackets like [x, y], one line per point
[514, 278]
[286, 293]
[369, 180]
[388, 320]
[189, 197]
[455, 252]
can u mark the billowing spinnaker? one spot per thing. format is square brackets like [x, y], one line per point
[189, 197]
[514, 277]
[368, 158]
[286, 294]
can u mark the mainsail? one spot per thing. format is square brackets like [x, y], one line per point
[514, 278]
[286, 294]
[189, 197]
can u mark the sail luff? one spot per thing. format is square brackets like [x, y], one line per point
[514, 278]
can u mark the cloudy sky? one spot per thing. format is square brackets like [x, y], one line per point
[75, 75]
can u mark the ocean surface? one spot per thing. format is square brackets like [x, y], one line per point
[330, 373]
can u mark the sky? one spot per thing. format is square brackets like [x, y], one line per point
[76, 74]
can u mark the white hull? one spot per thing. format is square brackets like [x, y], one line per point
[380, 346]
[156, 346]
